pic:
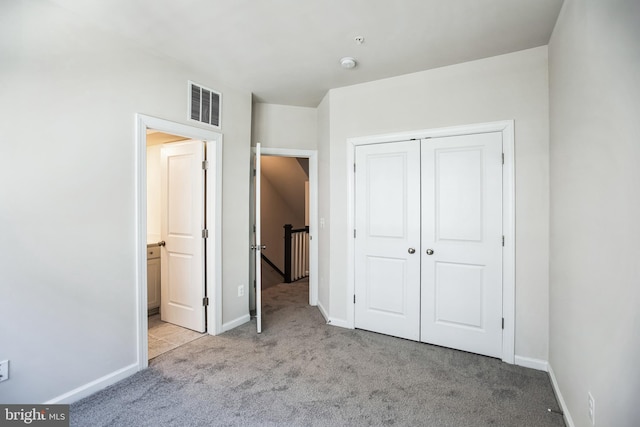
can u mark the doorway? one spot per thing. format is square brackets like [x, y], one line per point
[212, 217]
[309, 160]
[284, 219]
[175, 251]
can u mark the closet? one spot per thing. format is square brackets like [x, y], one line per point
[429, 240]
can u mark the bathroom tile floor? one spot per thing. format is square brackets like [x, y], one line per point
[165, 336]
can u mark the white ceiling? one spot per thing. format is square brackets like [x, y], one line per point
[288, 51]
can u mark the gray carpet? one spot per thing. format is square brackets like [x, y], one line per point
[301, 372]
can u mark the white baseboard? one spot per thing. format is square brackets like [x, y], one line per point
[556, 389]
[323, 311]
[530, 362]
[338, 322]
[94, 386]
[235, 323]
[332, 320]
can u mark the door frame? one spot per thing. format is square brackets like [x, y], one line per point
[506, 127]
[312, 155]
[213, 261]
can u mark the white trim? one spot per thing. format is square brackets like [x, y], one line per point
[509, 249]
[214, 281]
[556, 389]
[214, 246]
[339, 322]
[351, 225]
[312, 155]
[530, 362]
[236, 322]
[508, 203]
[94, 386]
[323, 312]
[432, 133]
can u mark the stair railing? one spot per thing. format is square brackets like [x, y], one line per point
[296, 253]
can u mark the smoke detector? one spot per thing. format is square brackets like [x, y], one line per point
[348, 63]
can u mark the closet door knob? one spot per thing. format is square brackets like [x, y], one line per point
[429, 251]
[411, 251]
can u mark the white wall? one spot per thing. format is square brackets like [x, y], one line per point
[284, 126]
[513, 86]
[594, 59]
[67, 218]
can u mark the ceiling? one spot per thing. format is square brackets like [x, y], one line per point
[288, 51]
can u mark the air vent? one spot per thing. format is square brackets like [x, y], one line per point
[204, 105]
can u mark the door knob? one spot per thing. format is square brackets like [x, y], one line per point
[162, 243]
[429, 251]
[411, 251]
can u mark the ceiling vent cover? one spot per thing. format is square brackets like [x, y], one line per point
[204, 105]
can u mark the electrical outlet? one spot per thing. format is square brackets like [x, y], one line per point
[4, 370]
[241, 290]
[592, 408]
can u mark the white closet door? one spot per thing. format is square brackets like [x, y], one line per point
[387, 244]
[462, 242]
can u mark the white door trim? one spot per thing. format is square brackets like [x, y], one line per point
[214, 221]
[508, 205]
[312, 155]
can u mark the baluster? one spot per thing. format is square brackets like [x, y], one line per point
[287, 252]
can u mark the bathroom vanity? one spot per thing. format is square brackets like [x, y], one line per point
[153, 278]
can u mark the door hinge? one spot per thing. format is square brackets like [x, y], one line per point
[503, 158]
[205, 301]
[205, 164]
[354, 233]
[503, 323]
[254, 172]
[354, 168]
[354, 298]
[502, 240]
[205, 234]
[254, 228]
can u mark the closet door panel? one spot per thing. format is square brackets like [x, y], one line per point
[461, 279]
[387, 243]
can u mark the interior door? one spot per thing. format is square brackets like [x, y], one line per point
[257, 244]
[462, 242]
[182, 224]
[387, 243]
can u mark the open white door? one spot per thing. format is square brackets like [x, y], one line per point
[258, 242]
[462, 242]
[182, 225]
[387, 244]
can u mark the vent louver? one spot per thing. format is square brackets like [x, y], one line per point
[204, 105]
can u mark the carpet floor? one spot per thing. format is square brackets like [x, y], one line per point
[302, 372]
